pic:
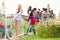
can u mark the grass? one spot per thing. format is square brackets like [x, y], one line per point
[33, 37]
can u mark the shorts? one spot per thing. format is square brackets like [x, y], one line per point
[32, 21]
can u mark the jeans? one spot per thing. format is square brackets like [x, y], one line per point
[28, 26]
[31, 27]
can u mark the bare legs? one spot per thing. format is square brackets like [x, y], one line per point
[16, 26]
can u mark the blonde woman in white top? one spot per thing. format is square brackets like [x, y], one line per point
[18, 19]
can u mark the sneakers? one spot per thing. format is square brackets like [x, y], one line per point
[17, 35]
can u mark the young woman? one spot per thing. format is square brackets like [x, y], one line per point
[29, 11]
[32, 22]
[18, 19]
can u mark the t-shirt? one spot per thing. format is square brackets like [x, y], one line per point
[18, 15]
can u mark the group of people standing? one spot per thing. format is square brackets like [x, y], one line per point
[34, 16]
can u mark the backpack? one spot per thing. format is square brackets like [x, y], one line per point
[2, 24]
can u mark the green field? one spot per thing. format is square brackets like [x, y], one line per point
[36, 38]
[31, 37]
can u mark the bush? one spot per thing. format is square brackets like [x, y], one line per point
[41, 30]
[51, 31]
[54, 30]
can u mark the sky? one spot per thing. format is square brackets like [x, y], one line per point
[11, 5]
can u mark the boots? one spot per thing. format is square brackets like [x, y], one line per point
[34, 31]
